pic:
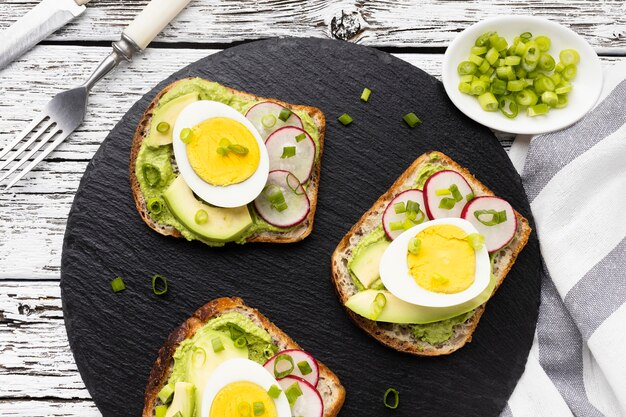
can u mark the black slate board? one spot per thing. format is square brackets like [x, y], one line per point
[115, 337]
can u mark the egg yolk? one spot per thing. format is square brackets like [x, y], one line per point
[445, 262]
[239, 398]
[210, 157]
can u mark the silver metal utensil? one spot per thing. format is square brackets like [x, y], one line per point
[66, 111]
[36, 25]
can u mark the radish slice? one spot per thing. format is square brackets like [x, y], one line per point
[496, 236]
[264, 116]
[310, 403]
[440, 205]
[390, 216]
[300, 164]
[298, 356]
[298, 205]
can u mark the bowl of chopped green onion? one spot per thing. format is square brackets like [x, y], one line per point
[522, 74]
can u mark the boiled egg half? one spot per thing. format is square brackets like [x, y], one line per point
[238, 387]
[220, 154]
[434, 264]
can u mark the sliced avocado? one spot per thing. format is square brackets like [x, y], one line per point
[365, 264]
[184, 400]
[401, 312]
[168, 113]
[223, 224]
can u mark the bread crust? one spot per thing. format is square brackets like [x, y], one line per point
[164, 362]
[378, 330]
[300, 232]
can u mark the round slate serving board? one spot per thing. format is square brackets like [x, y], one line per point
[115, 337]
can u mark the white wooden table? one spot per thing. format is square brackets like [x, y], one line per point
[38, 376]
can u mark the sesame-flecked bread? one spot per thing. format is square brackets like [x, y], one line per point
[295, 234]
[330, 388]
[400, 337]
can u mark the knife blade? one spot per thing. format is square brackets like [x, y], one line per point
[39, 23]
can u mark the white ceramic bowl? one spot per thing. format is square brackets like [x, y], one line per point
[586, 86]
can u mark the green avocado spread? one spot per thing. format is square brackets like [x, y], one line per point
[432, 333]
[159, 159]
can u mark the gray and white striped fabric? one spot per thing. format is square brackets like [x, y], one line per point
[575, 180]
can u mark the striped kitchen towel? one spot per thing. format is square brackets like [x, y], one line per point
[575, 180]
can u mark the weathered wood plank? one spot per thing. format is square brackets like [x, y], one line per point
[378, 23]
[48, 408]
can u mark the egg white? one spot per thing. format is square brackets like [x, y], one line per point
[234, 195]
[236, 370]
[395, 274]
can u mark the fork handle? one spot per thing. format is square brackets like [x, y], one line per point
[152, 20]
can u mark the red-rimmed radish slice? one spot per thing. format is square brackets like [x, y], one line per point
[298, 357]
[265, 116]
[296, 205]
[301, 162]
[391, 219]
[439, 199]
[310, 403]
[481, 212]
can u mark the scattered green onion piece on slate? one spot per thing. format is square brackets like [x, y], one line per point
[241, 342]
[274, 391]
[365, 95]
[118, 285]
[258, 408]
[159, 285]
[345, 119]
[412, 120]
[268, 121]
[285, 114]
[217, 344]
[201, 216]
[414, 246]
[155, 206]
[300, 137]
[160, 410]
[166, 393]
[304, 368]
[399, 208]
[185, 135]
[391, 399]
[378, 305]
[163, 127]
[476, 240]
[292, 393]
[283, 358]
[288, 152]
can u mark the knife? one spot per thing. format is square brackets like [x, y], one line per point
[37, 24]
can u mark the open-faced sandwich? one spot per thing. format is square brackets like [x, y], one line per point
[228, 360]
[418, 268]
[218, 165]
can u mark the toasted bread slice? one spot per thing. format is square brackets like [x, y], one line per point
[330, 388]
[295, 234]
[400, 337]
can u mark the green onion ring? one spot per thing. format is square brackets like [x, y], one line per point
[395, 396]
[159, 285]
[281, 358]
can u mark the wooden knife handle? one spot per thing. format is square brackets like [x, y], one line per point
[153, 19]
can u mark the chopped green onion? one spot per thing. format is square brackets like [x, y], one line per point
[569, 57]
[556, 78]
[497, 217]
[562, 101]
[512, 60]
[198, 357]
[412, 206]
[166, 393]
[414, 246]
[530, 59]
[484, 67]
[217, 344]
[407, 224]
[569, 72]
[447, 203]
[399, 208]
[159, 284]
[508, 106]
[498, 86]
[222, 151]
[516, 85]
[163, 127]
[526, 97]
[294, 184]
[238, 149]
[201, 216]
[304, 368]
[365, 95]
[488, 101]
[478, 87]
[478, 50]
[285, 114]
[465, 88]
[526, 36]
[543, 43]
[268, 121]
[244, 409]
[538, 109]
[345, 119]
[118, 285]
[300, 137]
[476, 59]
[440, 279]
[392, 402]
[546, 62]
[412, 120]
[151, 174]
[467, 67]
[505, 73]
[483, 39]
[491, 57]
[160, 410]
[443, 191]
[259, 408]
[155, 206]
[241, 342]
[276, 197]
[274, 391]
[185, 135]
[235, 331]
[394, 226]
[378, 305]
[559, 67]
[563, 89]
[288, 152]
[544, 84]
[287, 371]
[550, 98]
[466, 78]
[292, 393]
[476, 240]
[469, 197]
[456, 194]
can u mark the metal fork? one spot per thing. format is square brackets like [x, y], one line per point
[66, 111]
